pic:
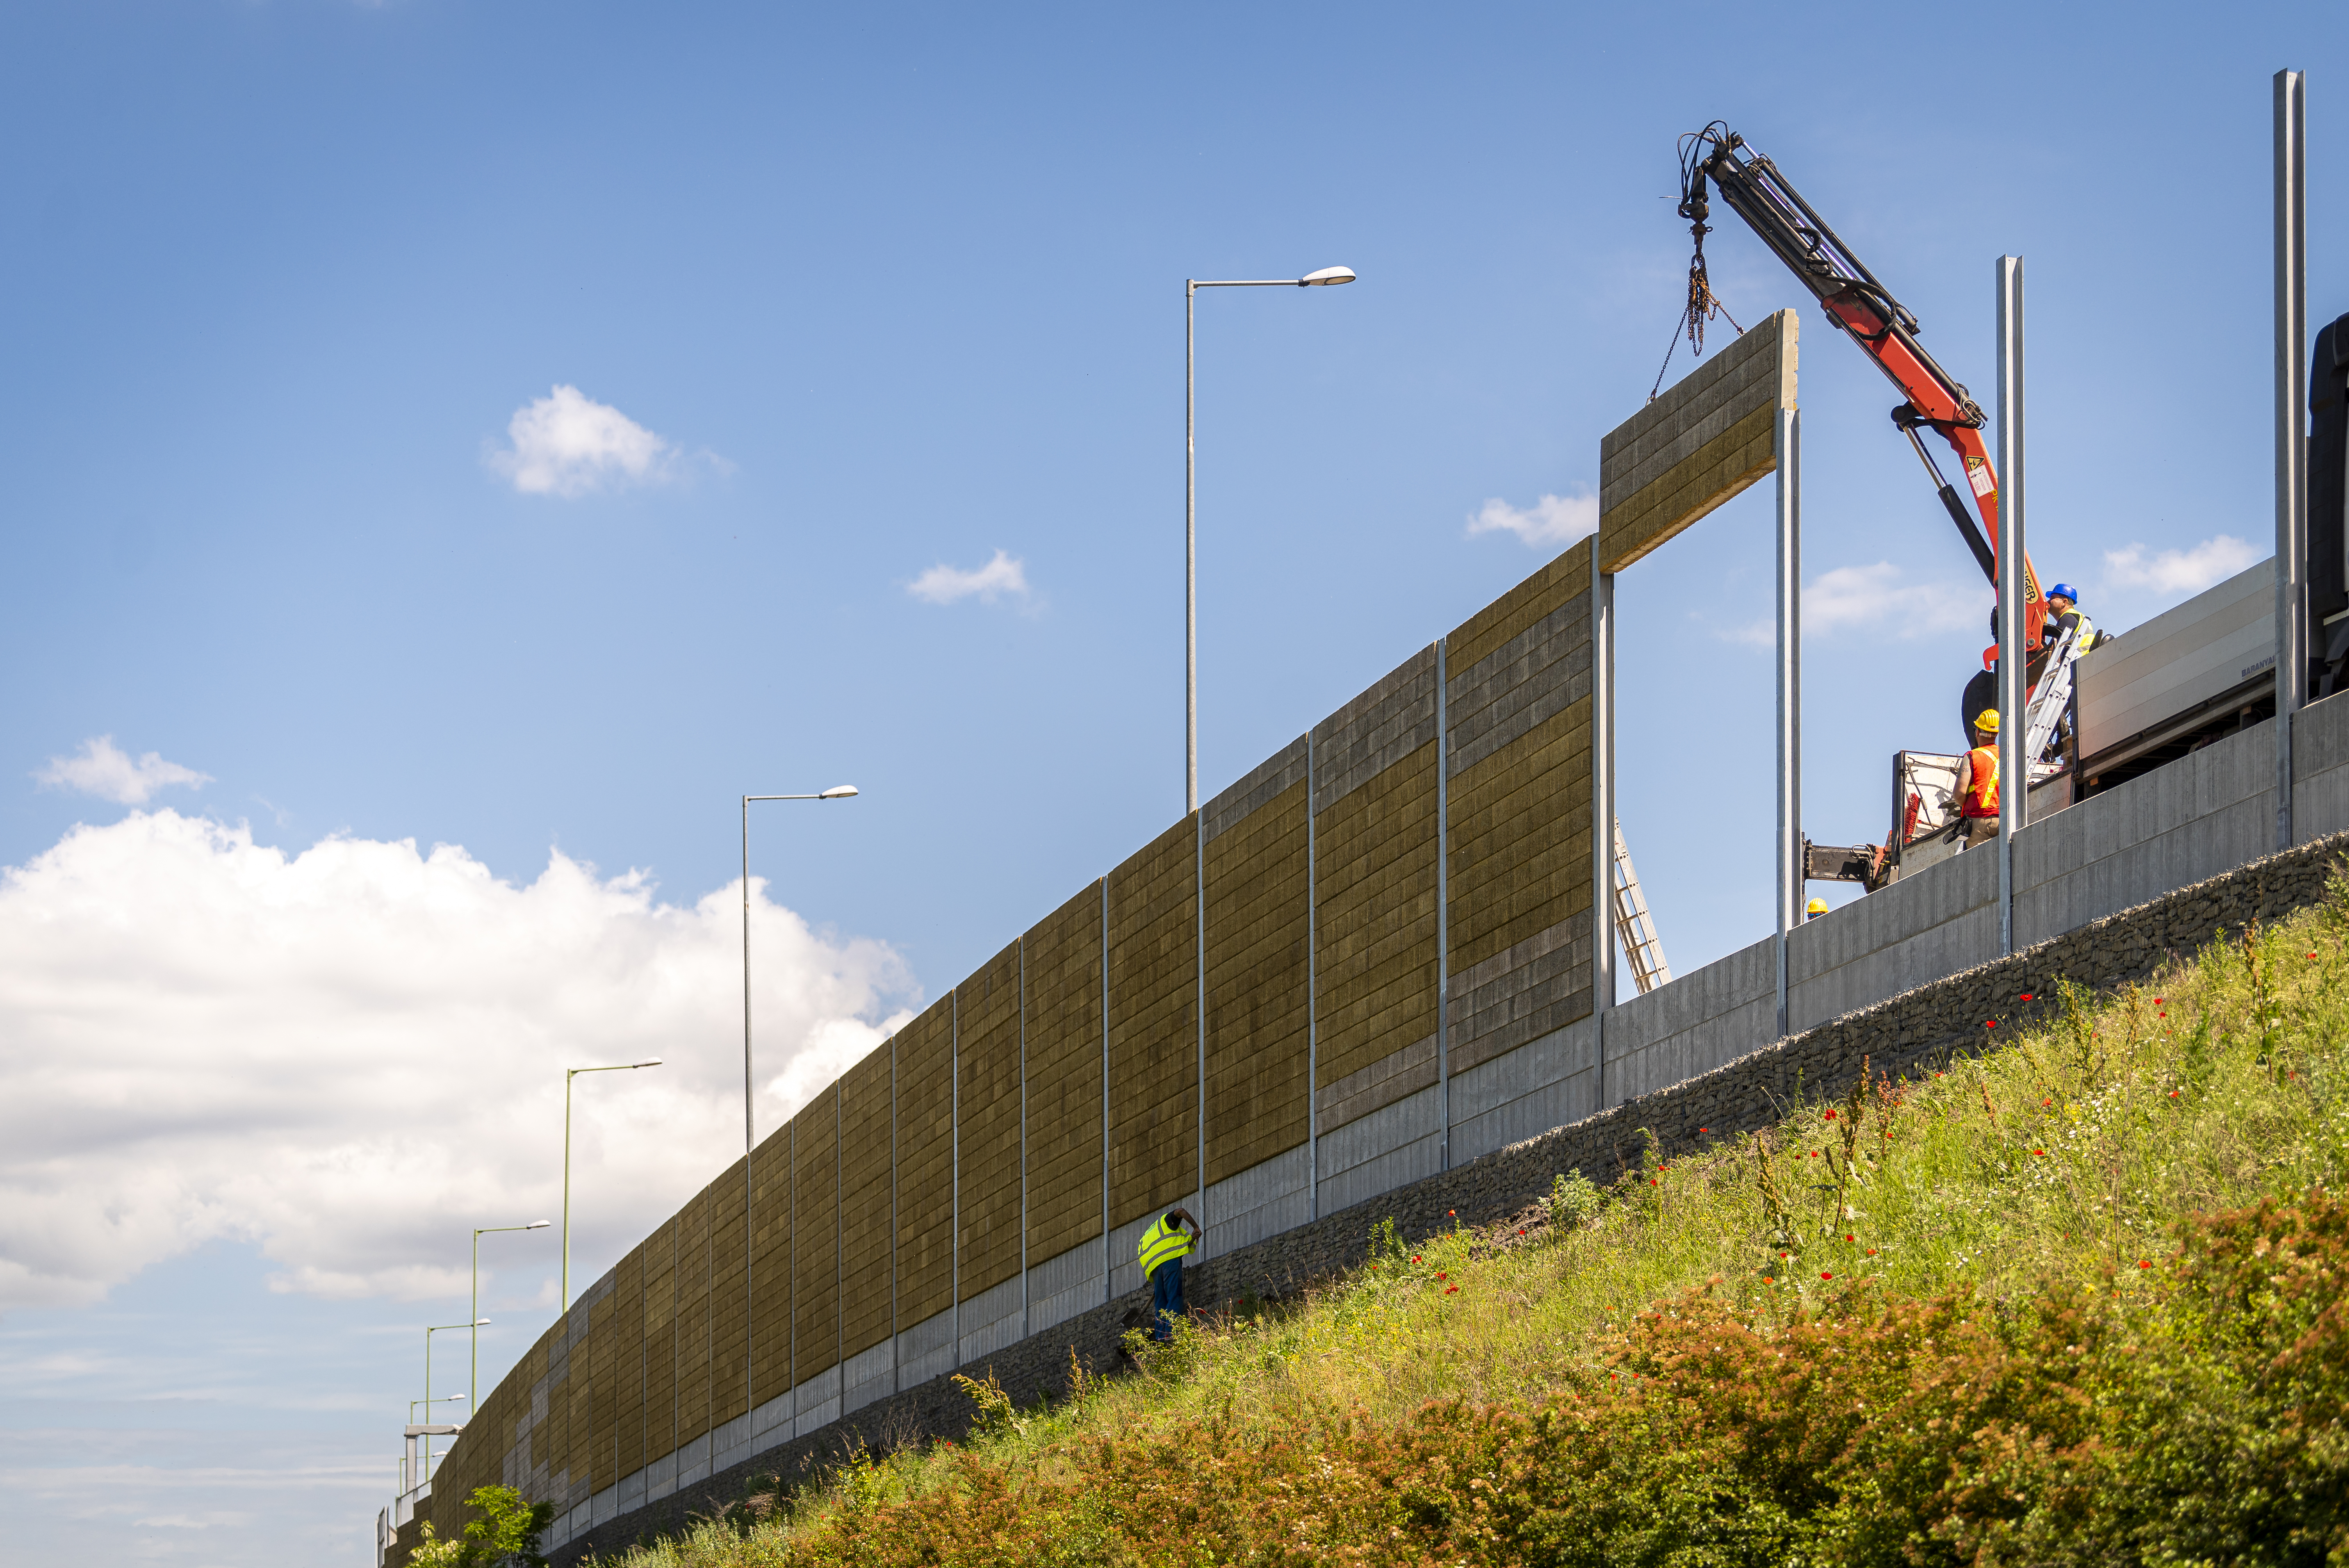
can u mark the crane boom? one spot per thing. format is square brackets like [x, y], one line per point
[1854, 301]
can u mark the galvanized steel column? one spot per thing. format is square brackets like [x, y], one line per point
[1789, 597]
[1602, 805]
[2290, 436]
[1312, 1005]
[1199, 986]
[1443, 927]
[2014, 766]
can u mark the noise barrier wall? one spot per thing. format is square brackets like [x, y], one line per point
[1258, 1015]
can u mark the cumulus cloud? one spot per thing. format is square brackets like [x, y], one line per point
[104, 769]
[351, 1055]
[1875, 598]
[1555, 519]
[567, 444]
[2179, 571]
[943, 585]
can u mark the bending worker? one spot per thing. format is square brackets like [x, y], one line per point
[1162, 1250]
[1978, 781]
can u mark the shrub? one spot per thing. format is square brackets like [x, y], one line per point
[507, 1532]
[1574, 1199]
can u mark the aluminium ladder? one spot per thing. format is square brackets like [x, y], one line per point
[2047, 704]
[1634, 926]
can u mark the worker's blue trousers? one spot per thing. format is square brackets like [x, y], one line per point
[1166, 1299]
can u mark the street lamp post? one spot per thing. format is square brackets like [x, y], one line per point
[568, 1074]
[428, 1404]
[473, 1377]
[429, 1400]
[1191, 287]
[837, 792]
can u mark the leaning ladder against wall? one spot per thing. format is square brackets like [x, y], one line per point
[1635, 928]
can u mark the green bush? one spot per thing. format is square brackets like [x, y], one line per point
[506, 1533]
[1574, 1198]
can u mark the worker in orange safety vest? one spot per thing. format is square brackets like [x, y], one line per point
[1978, 781]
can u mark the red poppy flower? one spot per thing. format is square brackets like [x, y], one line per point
[1443, 1276]
[1830, 1116]
[1851, 1238]
[1453, 1291]
[1767, 1280]
[1872, 1251]
[2157, 1001]
[1825, 1275]
[2144, 1262]
[2026, 996]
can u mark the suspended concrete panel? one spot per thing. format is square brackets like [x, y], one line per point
[1711, 435]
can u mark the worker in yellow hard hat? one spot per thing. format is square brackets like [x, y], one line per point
[1818, 906]
[1977, 789]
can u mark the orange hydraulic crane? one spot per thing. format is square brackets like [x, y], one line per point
[1858, 305]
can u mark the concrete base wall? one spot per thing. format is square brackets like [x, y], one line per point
[1061, 1287]
[1514, 1097]
[1379, 1152]
[1263, 1201]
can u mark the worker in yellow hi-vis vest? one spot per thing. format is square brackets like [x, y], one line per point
[1162, 1250]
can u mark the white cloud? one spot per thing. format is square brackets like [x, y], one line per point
[943, 585]
[568, 444]
[2179, 571]
[351, 1055]
[1874, 598]
[1553, 519]
[103, 769]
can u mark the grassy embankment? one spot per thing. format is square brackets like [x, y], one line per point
[2076, 1301]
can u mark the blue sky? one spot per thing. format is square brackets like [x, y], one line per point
[887, 291]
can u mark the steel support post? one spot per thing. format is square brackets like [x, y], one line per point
[1602, 805]
[1312, 1007]
[2014, 766]
[2290, 428]
[1789, 595]
[1442, 921]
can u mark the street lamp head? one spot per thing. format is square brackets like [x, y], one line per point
[1325, 277]
[538, 1225]
[481, 1323]
[654, 1063]
[844, 791]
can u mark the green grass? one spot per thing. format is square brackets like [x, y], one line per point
[2002, 1198]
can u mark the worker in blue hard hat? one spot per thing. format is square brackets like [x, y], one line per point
[2064, 615]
